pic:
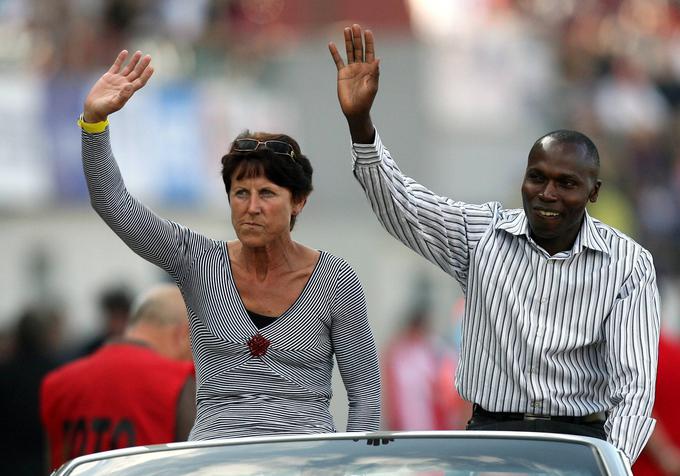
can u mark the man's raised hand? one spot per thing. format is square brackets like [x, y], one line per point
[357, 80]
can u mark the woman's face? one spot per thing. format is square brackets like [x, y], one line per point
[261, 210]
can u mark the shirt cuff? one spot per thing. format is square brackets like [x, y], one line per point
[367, 154]
[93, 127]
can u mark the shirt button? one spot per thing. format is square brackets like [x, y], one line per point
[544, 300]
[536, 404]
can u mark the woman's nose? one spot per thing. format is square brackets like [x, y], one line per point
[254, 204]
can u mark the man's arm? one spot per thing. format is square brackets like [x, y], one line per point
[433, 226]
[186, 409]
[632, 336]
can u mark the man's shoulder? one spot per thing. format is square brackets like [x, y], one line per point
[506, 213]
[67, 371]
[616, 240]
[512, 220]
[485, 210]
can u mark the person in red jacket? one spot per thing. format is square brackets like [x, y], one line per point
[661, 456]
[138, 390]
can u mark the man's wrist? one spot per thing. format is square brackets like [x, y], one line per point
[362, 130]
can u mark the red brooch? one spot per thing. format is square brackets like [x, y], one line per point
[258, 345]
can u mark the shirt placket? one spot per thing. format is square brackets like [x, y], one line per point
[537, 320]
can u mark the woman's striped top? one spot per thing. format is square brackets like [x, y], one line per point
[571, 334]
[287, 390]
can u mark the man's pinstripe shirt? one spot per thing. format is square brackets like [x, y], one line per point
[570, 334]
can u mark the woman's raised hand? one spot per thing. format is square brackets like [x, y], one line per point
[116, 86]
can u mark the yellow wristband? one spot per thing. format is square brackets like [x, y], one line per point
[93, 127]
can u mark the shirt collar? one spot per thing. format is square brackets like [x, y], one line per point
[516, 223]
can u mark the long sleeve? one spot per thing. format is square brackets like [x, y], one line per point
[439, 229]
[157, 240]
[356, 353]
[632, 334]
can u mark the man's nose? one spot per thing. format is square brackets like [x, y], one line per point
[548, 193]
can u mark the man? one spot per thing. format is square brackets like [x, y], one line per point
[138, 390]
[114, 305]
[562, 314]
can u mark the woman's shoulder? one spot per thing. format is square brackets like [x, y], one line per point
[336, 262]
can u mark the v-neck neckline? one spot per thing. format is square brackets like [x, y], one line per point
[284, 314]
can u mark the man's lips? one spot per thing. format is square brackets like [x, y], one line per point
[546, 213]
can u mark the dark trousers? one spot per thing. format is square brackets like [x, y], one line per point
[496, 422]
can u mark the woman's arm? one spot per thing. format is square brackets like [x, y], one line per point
[356, 353]
[159, 241]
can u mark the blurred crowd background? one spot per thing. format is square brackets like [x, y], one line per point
[466, 88]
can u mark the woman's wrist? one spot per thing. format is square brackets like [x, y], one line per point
[92, 127]
[92, 118]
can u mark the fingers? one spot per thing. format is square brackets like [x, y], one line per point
[337, 59]
[115, 67]
[370, 46]
[354, 46]
[133, 62]
[143, 78]
[358, 44]
[139, 68]
[349, 45]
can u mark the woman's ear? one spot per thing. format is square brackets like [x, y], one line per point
[298, 206]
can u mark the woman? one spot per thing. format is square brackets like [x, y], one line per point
[266, 313]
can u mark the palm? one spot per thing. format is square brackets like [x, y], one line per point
[110, 93]
[357, 87]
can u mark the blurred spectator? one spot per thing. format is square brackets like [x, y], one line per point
[22, 449]
[418, 372]
[627, 101]
[114, 305]
[661, 456]
[135, 390]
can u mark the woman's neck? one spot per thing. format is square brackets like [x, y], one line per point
[263, 261]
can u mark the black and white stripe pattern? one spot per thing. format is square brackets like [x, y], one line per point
[571, 334]
[287, 390]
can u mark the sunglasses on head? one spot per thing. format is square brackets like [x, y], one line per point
[276, 146]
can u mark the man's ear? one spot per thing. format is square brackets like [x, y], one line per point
[595, 192]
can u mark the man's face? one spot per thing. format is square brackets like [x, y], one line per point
[558, 183]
